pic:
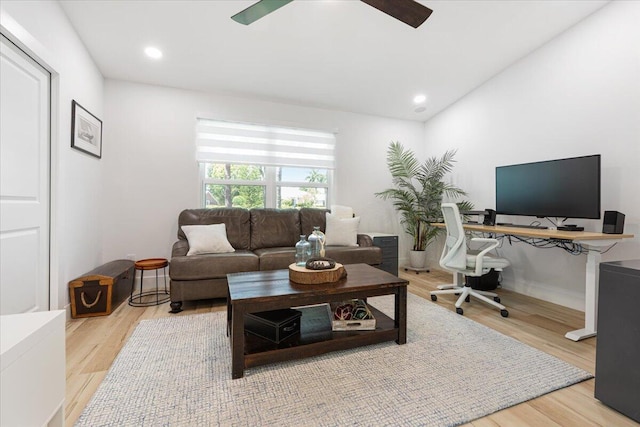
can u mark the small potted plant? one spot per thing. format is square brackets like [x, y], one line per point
[417, 193]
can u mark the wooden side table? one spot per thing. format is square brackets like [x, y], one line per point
[160, 296]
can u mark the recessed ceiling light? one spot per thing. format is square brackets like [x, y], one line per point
[419, 99]
[153, 52]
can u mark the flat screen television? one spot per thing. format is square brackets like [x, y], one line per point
[562, 188]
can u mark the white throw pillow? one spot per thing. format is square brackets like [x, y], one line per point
[342, 211]
[207, 239]
[341, 231]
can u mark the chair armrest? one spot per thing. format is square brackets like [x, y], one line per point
[486, 240]
[180, 248]
[493, 243]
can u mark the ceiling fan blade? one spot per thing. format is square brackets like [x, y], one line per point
[258, 10]
[408, 11]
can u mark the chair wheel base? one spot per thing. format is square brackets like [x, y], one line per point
[496, 299]
[460, 311]
[504, 313]
[434, 298]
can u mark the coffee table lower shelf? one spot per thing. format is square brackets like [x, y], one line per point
[316, 337]
[254, 292]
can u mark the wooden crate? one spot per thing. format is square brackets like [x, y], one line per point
[366, 324]
[102, 290]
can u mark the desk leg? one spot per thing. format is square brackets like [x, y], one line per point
[591, 298]
[237, 341]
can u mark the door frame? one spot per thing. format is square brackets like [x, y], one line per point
[19, 36]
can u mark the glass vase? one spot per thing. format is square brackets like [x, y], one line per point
[303, 251]
[316, 239]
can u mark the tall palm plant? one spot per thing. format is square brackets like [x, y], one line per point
[418, 190]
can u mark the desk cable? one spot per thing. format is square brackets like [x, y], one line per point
[606, 250]
[566, 245]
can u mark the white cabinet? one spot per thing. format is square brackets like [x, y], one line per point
[32, 357]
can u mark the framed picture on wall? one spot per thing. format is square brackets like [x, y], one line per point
[86, 130]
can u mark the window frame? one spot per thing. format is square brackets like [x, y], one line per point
[269, 183]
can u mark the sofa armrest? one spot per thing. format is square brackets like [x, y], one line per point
[180, 248]
[365, 241]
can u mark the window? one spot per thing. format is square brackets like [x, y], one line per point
[233, 185]
[246, 165]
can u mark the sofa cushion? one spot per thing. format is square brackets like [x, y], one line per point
[311, 217]
[341, 231]
[272, 228]
[354, 255]
[212, 266]
[236, 220]
[276, 258]
[207, 239]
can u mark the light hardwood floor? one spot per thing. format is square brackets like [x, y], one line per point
[93, 344]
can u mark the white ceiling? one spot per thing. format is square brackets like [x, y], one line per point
[337, 54]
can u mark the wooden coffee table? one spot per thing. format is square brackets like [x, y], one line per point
[258, 291]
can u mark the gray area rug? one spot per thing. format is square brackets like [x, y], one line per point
[177, 372]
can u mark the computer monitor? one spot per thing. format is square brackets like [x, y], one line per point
[562, 188]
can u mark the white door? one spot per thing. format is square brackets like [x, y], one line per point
[24, 182]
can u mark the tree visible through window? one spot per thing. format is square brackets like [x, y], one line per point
[230, 192]
[250, 186]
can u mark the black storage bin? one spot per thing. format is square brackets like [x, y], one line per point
[276, 325]
[486, 282]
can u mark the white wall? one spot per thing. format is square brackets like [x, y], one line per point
[150, 172]
[577, 95]
[42, 29]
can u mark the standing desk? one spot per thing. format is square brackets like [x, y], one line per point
[592, 241]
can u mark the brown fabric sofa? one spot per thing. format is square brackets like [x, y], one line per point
[263, 239]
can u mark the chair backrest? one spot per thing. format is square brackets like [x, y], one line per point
[454, 255]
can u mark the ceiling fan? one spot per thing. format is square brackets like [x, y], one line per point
[408, 11]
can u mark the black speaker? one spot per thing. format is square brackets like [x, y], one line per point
[490, 218]
[613, 222]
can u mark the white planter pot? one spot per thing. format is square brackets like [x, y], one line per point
[418, 259]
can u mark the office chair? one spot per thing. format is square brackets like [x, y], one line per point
[456, 259]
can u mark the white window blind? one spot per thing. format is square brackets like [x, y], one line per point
[230, 142]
